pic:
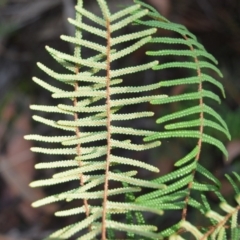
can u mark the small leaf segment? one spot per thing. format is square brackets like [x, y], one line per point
[220, 226]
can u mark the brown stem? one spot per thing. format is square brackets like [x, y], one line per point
[108, 105]
[199, 74]
[220, 223]
[78, 147]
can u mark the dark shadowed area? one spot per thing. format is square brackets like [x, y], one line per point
[26, 27]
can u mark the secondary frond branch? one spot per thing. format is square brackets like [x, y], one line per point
[78, 147]
[201, 127]
[77, 53]
[108, 106]
[221, 223]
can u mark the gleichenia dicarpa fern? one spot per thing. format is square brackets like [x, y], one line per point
[93, 133]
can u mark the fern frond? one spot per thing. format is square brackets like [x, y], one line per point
[92, 110]
[202, 62]
[90, 86]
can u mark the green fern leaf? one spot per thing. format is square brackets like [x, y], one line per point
[189, 134]
[187, 97]
[188, 53]
[207, 174]
[188, 157]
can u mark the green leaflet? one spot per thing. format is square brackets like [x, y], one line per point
[192, 80]
[124, 71]
[83, 92]
[171, 188]
[235, 187]
[75, 211]
[128, 20]
[52, 123]
[191, 65]
[136, 147]
[92, 234]
[56, 139]
[171, 230]
[49, 109]
[207, 174]
[91, 45]
[131, 36]
[203, 187]
[46, 85]
[57, 164]
[130, 131]
[187, 42]
[136, 89]
[47, 200]
[60, 151]
[193, 110]
[130, 49]
[81, 109]
[189, 227]
[196, 204]
[165, 206]
[132, 207]
[98, 194]
[176, 174]
[152, 9]
[187, 97]
[188, 157]
[116, 103]
[114, 159]
[134, 181]
[189, 134]
[133, 162]
[54, 53]
[171, 200]
[167, 26]
[69, 231]
[189, 53]
[85, 138]
[93, 166]
[69, 78]
[142, 230]
[88, 28]
[51, 181]
[124, 12]
[198, 122]
[90, 16]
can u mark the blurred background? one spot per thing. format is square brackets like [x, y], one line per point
[26, 26]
